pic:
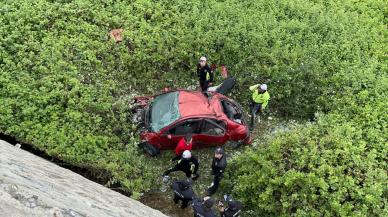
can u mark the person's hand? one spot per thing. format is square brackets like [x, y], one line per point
[194, 176]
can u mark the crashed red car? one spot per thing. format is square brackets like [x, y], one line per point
[166, 118]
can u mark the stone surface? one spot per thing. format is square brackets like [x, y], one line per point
[32, 186]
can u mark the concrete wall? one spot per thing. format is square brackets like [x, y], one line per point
[32, 186]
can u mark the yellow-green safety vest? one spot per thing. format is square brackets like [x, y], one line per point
[257, 97]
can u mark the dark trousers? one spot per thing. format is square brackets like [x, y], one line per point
[177, 168]
[204, 85]
[185, 202]
[216, 183]
[255, 108]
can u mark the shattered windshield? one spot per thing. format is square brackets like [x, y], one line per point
[164, 110]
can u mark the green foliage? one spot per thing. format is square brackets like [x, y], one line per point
[336, 166]
[65, 86]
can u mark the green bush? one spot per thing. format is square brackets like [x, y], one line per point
[65, 86]
[335, 167]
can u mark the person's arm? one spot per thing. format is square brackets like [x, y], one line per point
[211, 75]
[176, 158]
[254, 87]
[198, 71]
[265, 103]
[196, 164]
[178, 148]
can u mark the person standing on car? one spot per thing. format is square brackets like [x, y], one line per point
[183, 192]
[184, 144]
[188, 164]
[203, 208]
[260, 98]
[204, 73]
[218, 168]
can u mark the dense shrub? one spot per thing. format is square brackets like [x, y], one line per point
[64, 86]
[335, 167]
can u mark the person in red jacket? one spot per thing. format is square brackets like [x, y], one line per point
[183, 145]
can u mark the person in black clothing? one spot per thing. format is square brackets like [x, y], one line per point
[233, 209]
[203, 208]
[188, 164]
[205, 74]
[182, 192]
[218, 168]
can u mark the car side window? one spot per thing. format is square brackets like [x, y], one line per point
[209, 127]
[188, 126]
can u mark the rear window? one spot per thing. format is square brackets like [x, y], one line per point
[164, 110]
[232, 111]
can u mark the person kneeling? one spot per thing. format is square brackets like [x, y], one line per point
[182, 192]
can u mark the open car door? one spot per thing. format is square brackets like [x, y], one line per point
[226, 86]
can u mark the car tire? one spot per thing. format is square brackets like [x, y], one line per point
[235, 144]
[149, 149]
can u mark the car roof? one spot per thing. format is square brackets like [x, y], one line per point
[195, 103]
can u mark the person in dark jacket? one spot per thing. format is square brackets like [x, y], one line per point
[218, 168]
[188, 164]
[233, 210]
[203, 208]
[205, 74]
[183, 192]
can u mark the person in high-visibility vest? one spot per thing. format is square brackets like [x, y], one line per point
[260, 98]
[204, 73]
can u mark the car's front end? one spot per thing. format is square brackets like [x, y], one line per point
[154, 113]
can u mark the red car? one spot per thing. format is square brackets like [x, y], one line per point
[212, 120]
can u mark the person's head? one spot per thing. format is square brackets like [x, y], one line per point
[219, 153]
[185, 184]
[188, 138]
[262, 88]
[208, 202]
[202, 61]
[232, 205]
[186, 154]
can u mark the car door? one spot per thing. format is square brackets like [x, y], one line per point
[212, 132]
[176, 132]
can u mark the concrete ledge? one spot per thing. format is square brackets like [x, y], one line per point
[32, 186]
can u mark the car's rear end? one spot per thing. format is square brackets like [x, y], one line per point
[237, 124]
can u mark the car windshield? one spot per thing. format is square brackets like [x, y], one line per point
[164, 110]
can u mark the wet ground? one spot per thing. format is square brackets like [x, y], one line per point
[160, 197]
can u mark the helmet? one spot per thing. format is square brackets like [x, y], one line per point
[186, 154]
[232, 205]
[263, 87]
[208, 203]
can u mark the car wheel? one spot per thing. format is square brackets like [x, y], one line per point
[235, 144]
[149, 149]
